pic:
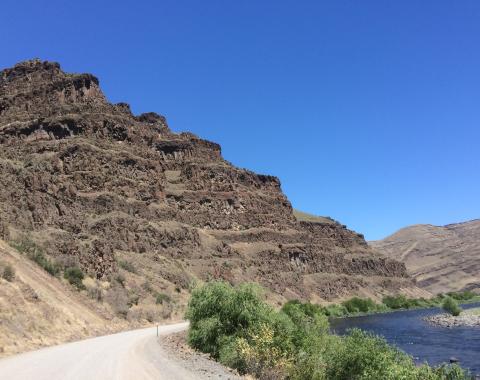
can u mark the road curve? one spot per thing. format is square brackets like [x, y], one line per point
[131, 355]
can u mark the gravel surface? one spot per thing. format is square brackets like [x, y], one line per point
[446, 320]
[131, 355]
[176, 348]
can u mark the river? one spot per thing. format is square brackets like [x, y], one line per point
[426, 343]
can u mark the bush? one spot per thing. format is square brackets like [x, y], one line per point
[161, 298]
[335, 311]
[462, 296]
[8, 273]
[36, 254]
[396, 302]
[229, 323]
[128, 266]
[120, 278]
[451, 306]
[75, 277]
[360, 305]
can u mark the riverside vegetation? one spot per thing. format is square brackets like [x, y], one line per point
[235, 326]
[357, 306]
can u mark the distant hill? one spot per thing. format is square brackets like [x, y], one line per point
[441, 259]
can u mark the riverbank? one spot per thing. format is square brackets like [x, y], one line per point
[409, 331]
[468, 318]
[358, 307]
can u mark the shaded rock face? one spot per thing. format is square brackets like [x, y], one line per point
[89, 179]
[441, 258]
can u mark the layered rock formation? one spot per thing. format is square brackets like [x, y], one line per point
[441, 258]
[88, 179]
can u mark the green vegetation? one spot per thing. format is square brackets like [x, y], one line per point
[8, 273]
[462, 296]
[451, 306]
[36, 254]
[75, 277]
[160, 298]
[128, 266]
[120, 278]
[361, 305]
[240, 330]
[357, 306]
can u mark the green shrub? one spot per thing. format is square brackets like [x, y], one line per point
[120, 278]
[8, 273]
[309, 320]
[235, 326]
[75, 277]
[396, 302]
[462, 296]
[133, 299]
[161, 298]
[335, 311]
[217, 311]
[36, 254]
[359, 305]
[451, 306]
[128, 266]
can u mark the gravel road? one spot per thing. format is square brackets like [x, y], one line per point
[129, 355]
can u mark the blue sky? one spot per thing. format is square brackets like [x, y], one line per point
[368, 111]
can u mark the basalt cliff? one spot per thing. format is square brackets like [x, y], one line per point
[91, 183]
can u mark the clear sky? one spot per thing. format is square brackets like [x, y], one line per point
[368, 111]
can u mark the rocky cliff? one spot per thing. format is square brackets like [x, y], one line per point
[441, 258]
[87, 180]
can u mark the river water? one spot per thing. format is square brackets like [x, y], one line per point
[426, 343]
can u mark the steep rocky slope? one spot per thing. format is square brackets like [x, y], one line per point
[442, 259]
[89, 181]
[37, 309]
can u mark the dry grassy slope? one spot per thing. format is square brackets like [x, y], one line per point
[306, 217]
[37, 309]
[441, 259]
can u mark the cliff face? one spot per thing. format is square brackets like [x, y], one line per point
[440, 258]
[87, 179]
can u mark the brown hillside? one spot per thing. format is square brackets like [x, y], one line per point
[441, 259]
[37, 309]
[92, 183]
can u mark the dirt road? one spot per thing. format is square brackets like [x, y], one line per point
[132, 355]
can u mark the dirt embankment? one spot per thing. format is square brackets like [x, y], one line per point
[38, 310]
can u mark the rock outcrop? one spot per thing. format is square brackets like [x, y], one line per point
[88, 179]
[440, 258]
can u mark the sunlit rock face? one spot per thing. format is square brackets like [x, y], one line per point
[87, 179]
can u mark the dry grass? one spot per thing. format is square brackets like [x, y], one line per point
[38, 310]
[305, 217]
[474, 311]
